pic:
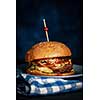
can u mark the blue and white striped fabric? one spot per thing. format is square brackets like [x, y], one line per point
[35, 85]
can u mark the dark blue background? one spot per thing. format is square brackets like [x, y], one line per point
[64, 19]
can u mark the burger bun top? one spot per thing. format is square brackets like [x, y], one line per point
[47, 50]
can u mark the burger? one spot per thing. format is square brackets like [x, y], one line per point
[49, 59]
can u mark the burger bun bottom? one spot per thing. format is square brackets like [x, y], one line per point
[39, 73]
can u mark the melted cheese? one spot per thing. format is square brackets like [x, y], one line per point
[44, 69]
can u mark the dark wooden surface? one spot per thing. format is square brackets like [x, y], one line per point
[76, 95]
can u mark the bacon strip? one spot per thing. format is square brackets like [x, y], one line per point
[57, 65]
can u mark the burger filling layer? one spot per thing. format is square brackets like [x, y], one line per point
[52, 65]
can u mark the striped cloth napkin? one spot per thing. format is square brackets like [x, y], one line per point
[30, 85]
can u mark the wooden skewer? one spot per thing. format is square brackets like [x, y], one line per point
[46, 30]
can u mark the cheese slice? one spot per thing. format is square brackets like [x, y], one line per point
[44, 69]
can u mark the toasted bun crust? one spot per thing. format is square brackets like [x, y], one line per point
[39, 73]
[47, 50]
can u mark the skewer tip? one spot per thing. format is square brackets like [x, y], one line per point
[43, 19]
